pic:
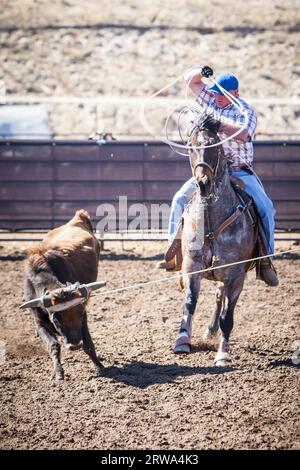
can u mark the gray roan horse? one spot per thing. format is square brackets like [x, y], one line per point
[229, 236]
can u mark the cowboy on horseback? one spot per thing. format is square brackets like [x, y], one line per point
[224, 120]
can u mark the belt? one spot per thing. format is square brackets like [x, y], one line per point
[240, 167]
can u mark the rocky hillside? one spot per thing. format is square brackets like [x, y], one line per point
[119, 53]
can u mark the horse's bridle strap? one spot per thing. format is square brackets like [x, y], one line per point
[212, 170]
[203, 164]
[232, 218]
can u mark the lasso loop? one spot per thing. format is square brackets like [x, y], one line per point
[174, 145]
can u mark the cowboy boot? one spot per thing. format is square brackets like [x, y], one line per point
[267, 273]
[264, 267]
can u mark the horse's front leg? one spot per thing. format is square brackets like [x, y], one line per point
[232, 292]
[213, 326]
[192, 286]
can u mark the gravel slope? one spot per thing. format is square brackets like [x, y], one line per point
[136, 48]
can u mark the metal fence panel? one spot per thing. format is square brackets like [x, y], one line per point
[42, 183]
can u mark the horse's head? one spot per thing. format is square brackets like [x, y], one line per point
[207, 163]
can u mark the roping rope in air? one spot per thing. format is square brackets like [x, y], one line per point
[174, 144]
[171, 278]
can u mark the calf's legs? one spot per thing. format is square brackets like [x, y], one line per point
[88, 345]
[53, 346]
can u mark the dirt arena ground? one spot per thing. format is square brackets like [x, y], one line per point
[148, 398]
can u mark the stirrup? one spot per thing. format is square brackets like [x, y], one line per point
[269, 276]
[175, 246]
[266, 272]
[168, 265]
[173, 265]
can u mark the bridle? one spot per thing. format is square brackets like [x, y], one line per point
[215, 174]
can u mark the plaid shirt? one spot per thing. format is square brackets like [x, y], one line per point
[236, 151]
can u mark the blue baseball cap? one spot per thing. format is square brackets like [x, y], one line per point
[227, 81]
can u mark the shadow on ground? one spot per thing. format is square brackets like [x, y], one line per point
[142, 374]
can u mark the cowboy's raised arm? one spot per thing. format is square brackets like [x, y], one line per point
[193, 79]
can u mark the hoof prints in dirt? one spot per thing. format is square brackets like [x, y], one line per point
[147, 397]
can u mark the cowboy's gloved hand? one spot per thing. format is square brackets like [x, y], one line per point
[207, 71]
[211, 124]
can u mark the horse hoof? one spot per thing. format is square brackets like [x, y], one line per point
[58, 375]
[99, 371]
[182, 349]
[209, 335]
[223, 363]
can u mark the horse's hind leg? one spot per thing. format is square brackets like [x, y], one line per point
[213, 326]
[232, 292]
[184, 340]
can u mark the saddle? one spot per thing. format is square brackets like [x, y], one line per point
[239, 188]
[174, 252]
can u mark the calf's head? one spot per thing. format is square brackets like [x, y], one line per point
[68, 323]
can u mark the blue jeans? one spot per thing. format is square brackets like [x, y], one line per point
[253, 187]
